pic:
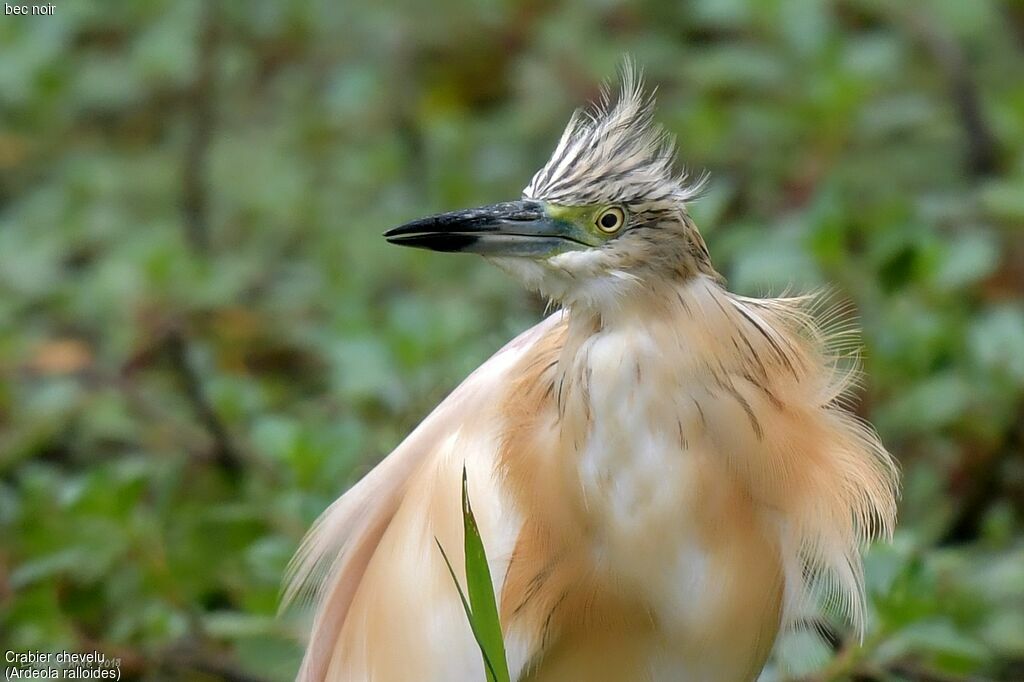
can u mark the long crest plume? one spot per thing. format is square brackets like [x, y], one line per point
[614, 152]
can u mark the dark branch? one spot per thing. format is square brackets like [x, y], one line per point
[986, 483]
[982, 151]
[225, 453]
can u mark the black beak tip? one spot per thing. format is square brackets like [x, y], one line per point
[445, 242]
[400, 230]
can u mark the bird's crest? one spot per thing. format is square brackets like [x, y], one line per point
[613, 152]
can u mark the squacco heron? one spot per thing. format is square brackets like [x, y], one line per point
[663, 472]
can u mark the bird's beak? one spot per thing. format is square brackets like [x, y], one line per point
[512, 228]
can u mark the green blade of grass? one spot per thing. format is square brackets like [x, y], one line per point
[481, 590]
[491, 675]
[480, 606]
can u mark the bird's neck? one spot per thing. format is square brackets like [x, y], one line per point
[662, 320]
[651, 381]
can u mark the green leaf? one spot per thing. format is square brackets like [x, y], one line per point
[481, 590]
[491, 675]
[236, 624]
[1004, 199]
[480, 606]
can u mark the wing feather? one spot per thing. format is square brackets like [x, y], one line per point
[336, 558]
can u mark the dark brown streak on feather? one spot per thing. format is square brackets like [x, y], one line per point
[551, 384]
[772, 398]
[720, 306]
[558, 399]
[682, 302]
[754, 424]
[682, 439]
[588, 604]
[546, 630]
[584, 381]
[753, 355]
[536, 582]
[768, 337]
[550, 389]
[703, 419]
[753, 362]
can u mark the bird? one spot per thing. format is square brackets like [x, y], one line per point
[666, 475]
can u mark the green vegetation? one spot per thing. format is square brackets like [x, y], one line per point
[481, 607]
[204, 339]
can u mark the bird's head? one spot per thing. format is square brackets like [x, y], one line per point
[605, 217]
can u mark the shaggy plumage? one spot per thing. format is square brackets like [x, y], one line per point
[664, 473]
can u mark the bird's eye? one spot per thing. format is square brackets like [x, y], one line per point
[611, 220]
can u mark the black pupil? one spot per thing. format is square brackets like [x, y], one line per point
[609, 220]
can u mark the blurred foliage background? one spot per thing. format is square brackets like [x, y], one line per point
[204, 340]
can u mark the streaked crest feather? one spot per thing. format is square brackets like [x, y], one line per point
[613, 152]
